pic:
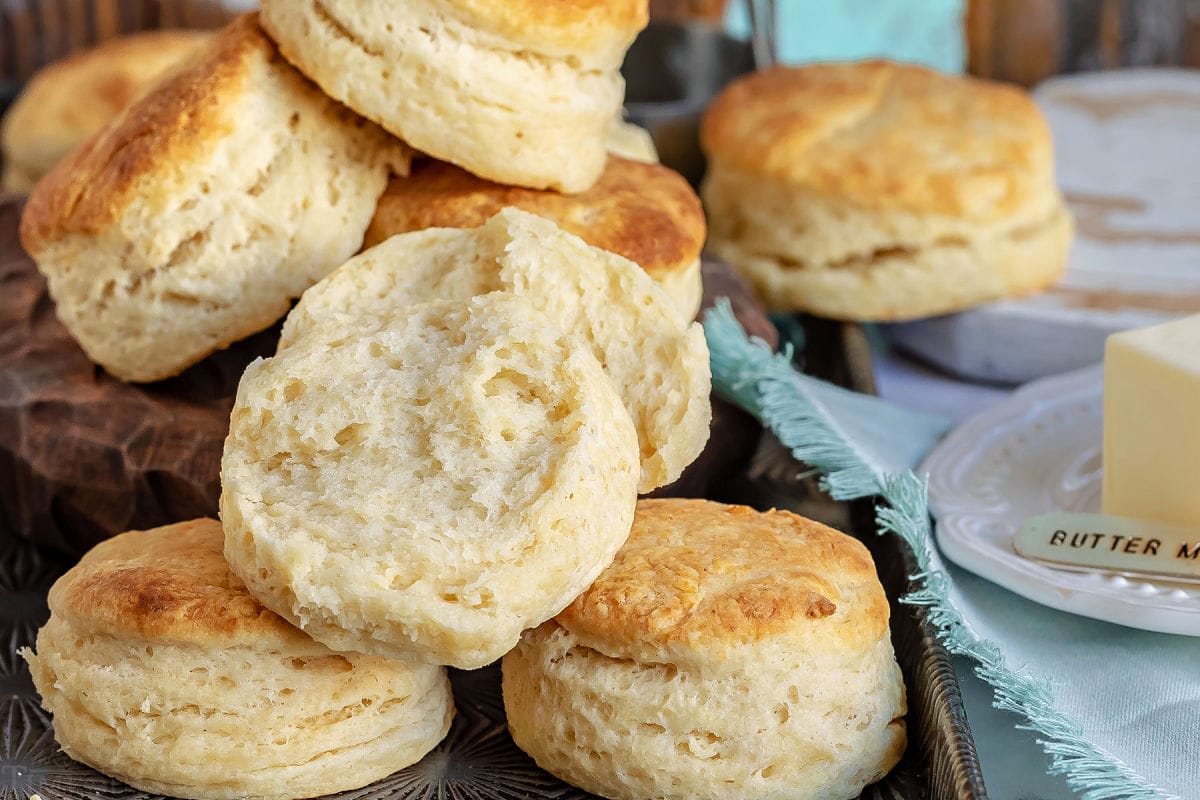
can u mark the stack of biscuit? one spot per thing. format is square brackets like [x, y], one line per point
[440, 465]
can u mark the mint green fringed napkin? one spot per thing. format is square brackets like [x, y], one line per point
[1113, 734]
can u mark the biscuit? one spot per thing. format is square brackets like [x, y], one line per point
[517, 91]
[875, 191]
[723, 648]
[431, 488]
[162, 671]
[658, 361]
[66, 103]
[200, 213]
[642, 211]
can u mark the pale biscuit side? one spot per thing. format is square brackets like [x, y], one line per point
[812, 229]
[161, 670]
[456, 92]
[229, 723]
[658, 361]
[798, 725]
[896, 285]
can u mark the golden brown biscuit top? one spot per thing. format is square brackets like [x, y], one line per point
[644, 212]
[698, 580]
[73, 98]
[887, 136]
[166, 128]
[558, 27]
[169, 584]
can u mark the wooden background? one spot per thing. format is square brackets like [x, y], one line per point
[36, 32]
[1017, 40]
[1026, 41]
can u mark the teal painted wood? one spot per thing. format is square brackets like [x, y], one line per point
[926, 32]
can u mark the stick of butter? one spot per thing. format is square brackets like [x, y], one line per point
[1152, 423]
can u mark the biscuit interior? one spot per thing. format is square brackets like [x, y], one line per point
[658, 361]
[432, 487]
[162, 671]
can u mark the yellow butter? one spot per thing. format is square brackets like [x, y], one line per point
[1152, 423]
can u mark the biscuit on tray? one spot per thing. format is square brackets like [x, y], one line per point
[161, 670]
[429, 488]
[726, 652]
[517, 91]
[199, 214]
[876, 191]
[658, 361]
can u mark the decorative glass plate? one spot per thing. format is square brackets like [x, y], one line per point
[1034, 453]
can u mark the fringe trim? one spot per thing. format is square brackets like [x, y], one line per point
[763, 383]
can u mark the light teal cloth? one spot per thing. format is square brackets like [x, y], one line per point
[918, 31]
[1134, 694]
[1118, 710]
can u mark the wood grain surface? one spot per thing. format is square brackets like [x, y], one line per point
[34, 33]
[1027, 41]
[84, 457]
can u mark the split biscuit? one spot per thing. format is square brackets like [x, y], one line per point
[658, 361]
[877, 191]
[67, 102]
[429, 488]
[199, 214]
[642, 211]
[162, 671]
[726, 652]
[518, 91]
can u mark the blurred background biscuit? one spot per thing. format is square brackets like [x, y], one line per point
[643, 211]
[516, 91]
[199, 214]
[66, 103]
[878, 191]
[162, 671]
[431, 487]
[722, 648]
